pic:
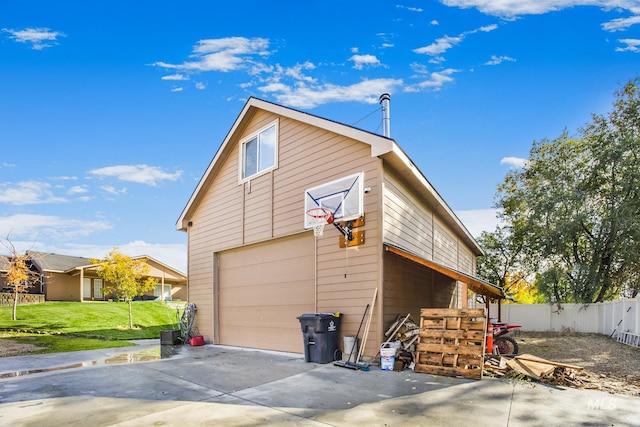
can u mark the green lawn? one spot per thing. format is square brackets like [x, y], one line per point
[69, 326]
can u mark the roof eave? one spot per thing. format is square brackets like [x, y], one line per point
[399, 158]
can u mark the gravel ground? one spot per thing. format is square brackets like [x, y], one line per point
[608, 365]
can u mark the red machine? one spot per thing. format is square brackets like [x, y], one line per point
[498, 342]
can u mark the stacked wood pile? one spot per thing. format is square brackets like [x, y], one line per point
[527, 365]
[403, 335]
[451, 342]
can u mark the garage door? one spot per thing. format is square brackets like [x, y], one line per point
[263, 289]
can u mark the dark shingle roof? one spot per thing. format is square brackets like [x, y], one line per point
[55, 262]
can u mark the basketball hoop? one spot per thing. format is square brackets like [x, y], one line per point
[318, 218]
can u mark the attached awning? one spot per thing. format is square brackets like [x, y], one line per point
[477, 285]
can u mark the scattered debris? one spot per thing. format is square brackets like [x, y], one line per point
[403, 335]
[533, 367]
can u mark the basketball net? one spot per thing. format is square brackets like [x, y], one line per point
[318, 218]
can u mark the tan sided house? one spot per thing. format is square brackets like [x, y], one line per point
[255, 264]
[70, 278]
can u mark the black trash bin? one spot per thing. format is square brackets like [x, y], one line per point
[320, 332]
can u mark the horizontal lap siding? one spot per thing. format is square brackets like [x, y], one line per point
[445, 246]
[217, 223]
[274, 209]
[257, 209]
[413, 226]
[407, 224]
[347, 278]
[408, 287]
[310, 156]
[466, 261]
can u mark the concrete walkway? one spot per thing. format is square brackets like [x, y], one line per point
[216, 385]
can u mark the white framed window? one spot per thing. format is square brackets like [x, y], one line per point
[259, 152]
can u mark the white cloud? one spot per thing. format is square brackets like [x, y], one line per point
[445, 43]
[309, 96]
[440, 45]
[621, 24]
[224, 55]
[38, 37]
[515, 8]
[632, 45]
[200, 86]
[409, 8]
[171, 254]
[28, 193]
[175, 77]
[515, 162]
[7, 165]
[141, 174]
[78, 189]
[360, 61]
[419, 68]
[479, 220]
[296, 72]
[177, 89]
[435, 81]
[497, 60]
[110, 189]
[32, 227]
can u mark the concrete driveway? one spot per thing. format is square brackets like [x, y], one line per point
[216, 385]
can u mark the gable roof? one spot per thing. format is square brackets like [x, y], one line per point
[381, 146]
[56, 263]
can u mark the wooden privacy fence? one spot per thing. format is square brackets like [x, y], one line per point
[451, 342]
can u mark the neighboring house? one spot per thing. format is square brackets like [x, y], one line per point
[5, 262]
[253, 266]
[70, 278]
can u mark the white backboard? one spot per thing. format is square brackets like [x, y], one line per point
[343, 196]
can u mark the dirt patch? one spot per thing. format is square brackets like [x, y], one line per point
[608, 365]
[12, 348]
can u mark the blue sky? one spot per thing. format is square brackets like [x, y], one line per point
[110, 111]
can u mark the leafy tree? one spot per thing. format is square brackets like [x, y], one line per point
[576, 203]
[124, 277]
[524, 292]
[19, 277]
[501, 263]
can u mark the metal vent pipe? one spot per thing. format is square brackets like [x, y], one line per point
[385, 98]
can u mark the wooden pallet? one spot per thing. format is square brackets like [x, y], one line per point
[451, 342]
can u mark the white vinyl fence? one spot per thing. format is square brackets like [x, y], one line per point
[618, 318]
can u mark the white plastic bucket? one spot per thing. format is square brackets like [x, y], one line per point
[350, 346]
[387, 358]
